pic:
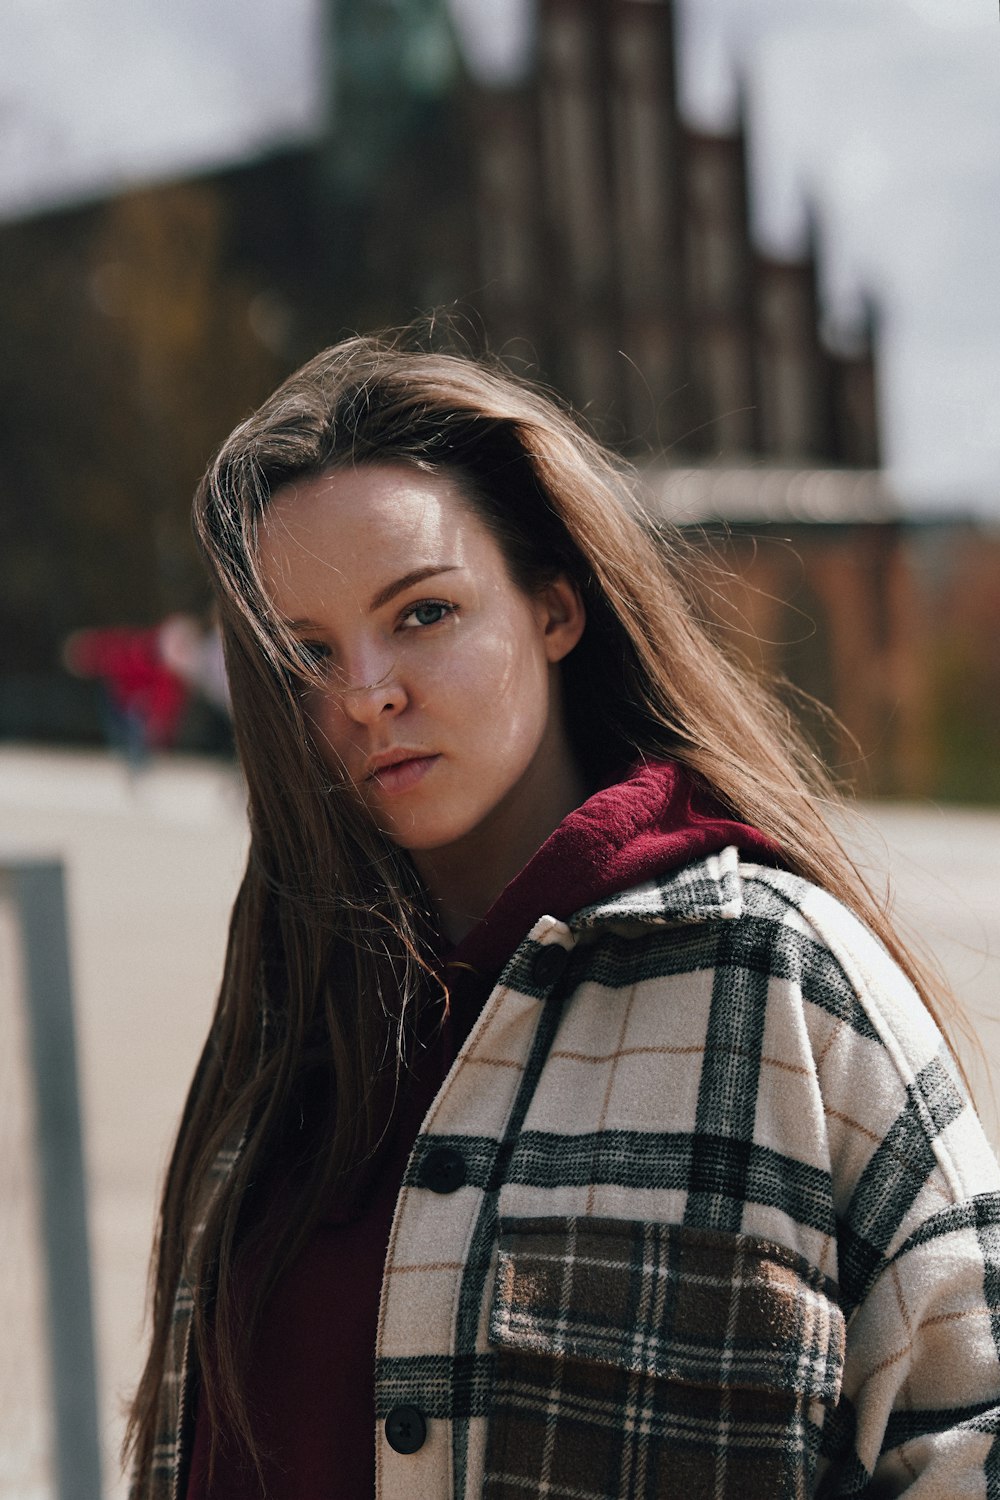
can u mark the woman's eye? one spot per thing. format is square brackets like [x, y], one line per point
[427, 612]
[314, 652]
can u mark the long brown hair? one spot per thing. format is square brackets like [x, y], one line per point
[327, 943]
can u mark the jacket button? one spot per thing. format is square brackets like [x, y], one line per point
[443, 1170]
[548, 965]
[405, 1429]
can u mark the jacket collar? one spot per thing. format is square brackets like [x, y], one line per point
[710, 889]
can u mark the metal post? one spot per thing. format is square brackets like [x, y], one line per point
[37, 887]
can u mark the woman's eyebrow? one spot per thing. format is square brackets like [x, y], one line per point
[417, 575]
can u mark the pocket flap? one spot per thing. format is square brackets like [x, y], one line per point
[692, 1305]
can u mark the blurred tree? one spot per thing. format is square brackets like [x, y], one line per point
[130, 349]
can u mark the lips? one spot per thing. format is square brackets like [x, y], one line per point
[397, 771]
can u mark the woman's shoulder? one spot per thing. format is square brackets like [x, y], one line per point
[763, 915]
[801, 943]
[744, 906]
[780, 969]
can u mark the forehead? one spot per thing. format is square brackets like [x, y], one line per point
[360, 527]
[395, 494]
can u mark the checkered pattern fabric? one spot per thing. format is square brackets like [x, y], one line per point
[661, 1357]
[728, 1226]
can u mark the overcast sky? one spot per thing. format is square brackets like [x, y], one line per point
[885, 112]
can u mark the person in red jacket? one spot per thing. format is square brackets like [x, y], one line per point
[144, 698]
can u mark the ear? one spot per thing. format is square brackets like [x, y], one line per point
[561, 616]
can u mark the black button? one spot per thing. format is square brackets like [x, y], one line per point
[405, 1429]
[443, 1170]
[549, 964]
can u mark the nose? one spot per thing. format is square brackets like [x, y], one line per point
[372, 701]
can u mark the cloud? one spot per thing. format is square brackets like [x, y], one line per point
[93, 95]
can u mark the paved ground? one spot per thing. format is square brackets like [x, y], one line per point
[152, 868]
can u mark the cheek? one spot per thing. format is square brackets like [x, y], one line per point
[326, 723]
[504, 689]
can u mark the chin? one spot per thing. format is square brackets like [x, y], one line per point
[424, 836]
[420, 841]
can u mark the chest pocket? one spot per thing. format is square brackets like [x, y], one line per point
[638, 1359]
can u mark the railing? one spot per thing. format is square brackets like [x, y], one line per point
[36, 890]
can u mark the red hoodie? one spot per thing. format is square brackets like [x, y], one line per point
[311, 1385]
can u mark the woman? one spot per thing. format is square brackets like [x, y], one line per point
[571, 1123]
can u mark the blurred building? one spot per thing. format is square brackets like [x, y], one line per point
[616, 248]
[570, 221]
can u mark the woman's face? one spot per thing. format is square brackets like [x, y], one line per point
[440, 699]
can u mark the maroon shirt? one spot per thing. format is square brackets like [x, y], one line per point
[311, 1385]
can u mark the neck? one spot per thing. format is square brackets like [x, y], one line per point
[464, 879]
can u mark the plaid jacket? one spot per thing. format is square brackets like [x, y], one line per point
[699, 1211]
